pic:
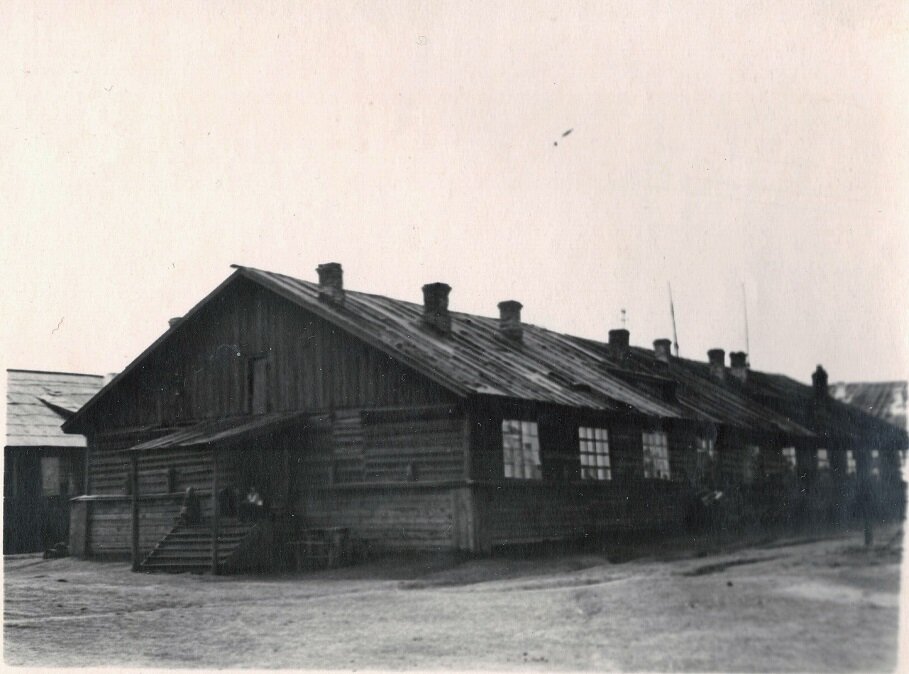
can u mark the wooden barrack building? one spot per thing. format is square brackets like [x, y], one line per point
[417, 427]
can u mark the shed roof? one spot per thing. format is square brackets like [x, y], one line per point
[212, 431]
[38, 402]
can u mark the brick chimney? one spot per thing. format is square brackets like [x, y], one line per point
[661, 349]
[171, 322]
[435, 307]
[331, 283]
[510, 320]
[717, 368]
[618, 341]
[738, 363]
[819, 379]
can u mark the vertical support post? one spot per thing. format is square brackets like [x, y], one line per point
[215, 512]
[134, 510]
[866, 499]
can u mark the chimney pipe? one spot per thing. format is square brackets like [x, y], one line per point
[661, 348]
[717, 368]
[171, 322]
[738, 363]
[331, 283]
[510, 320]
[618, 341]
[819, 379]
[435, 307]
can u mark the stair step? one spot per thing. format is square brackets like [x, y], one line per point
[188, 548]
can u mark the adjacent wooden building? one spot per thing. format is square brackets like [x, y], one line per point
[416, 427]
[43, 467]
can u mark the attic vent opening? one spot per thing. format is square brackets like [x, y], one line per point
[581, 387]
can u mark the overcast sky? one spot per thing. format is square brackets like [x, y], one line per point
[145, 148]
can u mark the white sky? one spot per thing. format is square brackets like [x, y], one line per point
[144, 148]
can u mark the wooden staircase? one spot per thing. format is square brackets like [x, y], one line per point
[241, 546]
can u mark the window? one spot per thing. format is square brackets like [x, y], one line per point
[594, 445]
[706, 448]
[51, 484]
[256, 379]
[752, 467]
[850, 462]
[823, 461]
[789, 457]
[656, 456]
[521, 449]
[875, 463]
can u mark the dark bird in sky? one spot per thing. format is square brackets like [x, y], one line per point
[563, 135]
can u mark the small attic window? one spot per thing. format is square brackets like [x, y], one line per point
[581, 387]
[256, 385]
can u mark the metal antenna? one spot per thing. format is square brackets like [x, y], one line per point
[675, 334]
[745, 309]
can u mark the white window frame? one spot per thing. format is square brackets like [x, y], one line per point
[706, 448]
[593, 444]
[751, 463]
[875, 463]
[850, 462]
[521, 450]
[655, 445]
[789, 457]
[823, 459]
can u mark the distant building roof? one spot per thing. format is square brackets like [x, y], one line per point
[883, 399]
[38, 402]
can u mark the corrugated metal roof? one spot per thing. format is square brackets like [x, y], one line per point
[221, 430]
[37, 402]
[703, 396]
[884, 399]
[546, 367]
[840, 421]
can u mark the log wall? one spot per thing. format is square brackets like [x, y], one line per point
[403, 517]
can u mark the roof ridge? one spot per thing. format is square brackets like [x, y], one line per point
[76, 374]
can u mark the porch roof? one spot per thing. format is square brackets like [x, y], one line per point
[219, 431]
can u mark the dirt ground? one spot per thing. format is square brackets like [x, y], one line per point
[816, 606]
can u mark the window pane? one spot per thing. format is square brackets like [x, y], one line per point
[50, 475]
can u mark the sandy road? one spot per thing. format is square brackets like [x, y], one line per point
[821, 606]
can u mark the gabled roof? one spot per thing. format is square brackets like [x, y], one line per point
[882, 399]
[546, 367]
[38, 402]
[841, 422]
[701, 396]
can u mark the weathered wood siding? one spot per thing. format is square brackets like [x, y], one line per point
[202, 370]
[188, 467]
[405, 517]
[382, 445]
[110, 524]
[522, 512]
